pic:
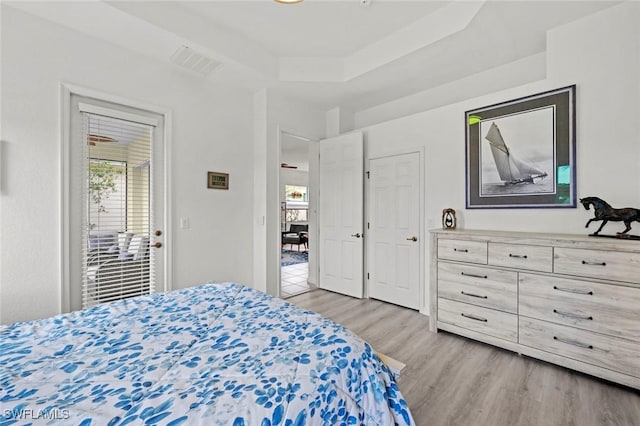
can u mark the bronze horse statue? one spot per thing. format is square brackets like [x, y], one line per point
[606, 213]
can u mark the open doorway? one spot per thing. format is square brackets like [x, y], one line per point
[295, 215]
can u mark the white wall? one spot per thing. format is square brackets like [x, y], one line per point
[260, 147]
[212, 131]
[514, 74]
[601, 55]
[339, 120]
[606, 65]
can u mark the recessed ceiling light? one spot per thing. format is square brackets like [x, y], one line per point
[288, 1]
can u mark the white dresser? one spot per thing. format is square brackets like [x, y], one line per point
[566, 299]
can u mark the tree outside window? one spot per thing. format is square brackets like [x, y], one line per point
[105, 180]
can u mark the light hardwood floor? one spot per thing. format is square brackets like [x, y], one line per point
[451, 380]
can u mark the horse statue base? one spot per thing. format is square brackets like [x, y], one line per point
[618, 236]
[604, 212]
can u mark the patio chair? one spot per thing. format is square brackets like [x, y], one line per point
[297, 234]
[127, 275]
[107, 247]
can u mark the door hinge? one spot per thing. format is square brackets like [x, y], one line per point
[368, 225]
[368, 275]
[368, 174]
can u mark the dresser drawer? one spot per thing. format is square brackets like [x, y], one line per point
[597, 349]
[612, 265]
[603, 308]
[464, 251]
[483, 320]
[487, 287]
[521, 256]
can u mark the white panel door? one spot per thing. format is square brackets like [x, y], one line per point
[341, 205]
[394, 260]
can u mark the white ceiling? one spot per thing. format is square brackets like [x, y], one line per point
[327, 30]
[328, 52]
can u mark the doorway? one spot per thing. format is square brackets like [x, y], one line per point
[296, 215]
[114, 232]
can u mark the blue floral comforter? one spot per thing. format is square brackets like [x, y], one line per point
[217, 354]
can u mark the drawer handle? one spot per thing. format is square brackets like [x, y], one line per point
[571, 315]
[474, 295]
[586, 262]
[519, 256]
[573, 290]
[461, 250]
[573, 342]
[473, 275]
[474, 318]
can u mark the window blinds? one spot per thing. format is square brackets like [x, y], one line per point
[117, 198]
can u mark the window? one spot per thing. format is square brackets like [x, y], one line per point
[296, 204]
[296, 193]
[116, 234]
[107, 195]
[296, 215]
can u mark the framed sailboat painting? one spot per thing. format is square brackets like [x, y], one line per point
[521, 153]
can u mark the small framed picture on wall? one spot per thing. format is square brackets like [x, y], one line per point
[216, 180]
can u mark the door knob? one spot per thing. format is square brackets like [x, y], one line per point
[356, 235]
[158, 244]
[412, 239]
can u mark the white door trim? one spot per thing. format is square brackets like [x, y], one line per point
[66, 91]
[422, 230]
[282, 130]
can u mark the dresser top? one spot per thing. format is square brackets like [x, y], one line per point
[536, 238]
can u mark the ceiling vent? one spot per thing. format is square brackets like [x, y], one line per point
[188, 58]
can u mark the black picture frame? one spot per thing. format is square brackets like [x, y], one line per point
[522, 153]
[217, 180]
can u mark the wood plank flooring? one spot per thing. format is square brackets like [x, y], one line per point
[451, 380]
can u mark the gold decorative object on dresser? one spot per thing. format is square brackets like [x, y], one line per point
[566, 299]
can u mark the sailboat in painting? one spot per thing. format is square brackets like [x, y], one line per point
[511, 170]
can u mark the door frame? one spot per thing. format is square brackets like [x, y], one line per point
[282, 130]
[421, 220]
[65, 161]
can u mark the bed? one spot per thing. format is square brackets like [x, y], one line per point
[215, 354]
